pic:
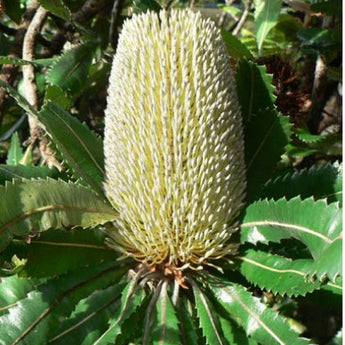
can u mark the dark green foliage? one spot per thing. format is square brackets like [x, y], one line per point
[62, 284]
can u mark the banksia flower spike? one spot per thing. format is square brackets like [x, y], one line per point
[173, 142]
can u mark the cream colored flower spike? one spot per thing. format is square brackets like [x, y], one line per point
[173, 142]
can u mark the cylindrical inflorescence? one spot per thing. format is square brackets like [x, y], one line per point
[174, 151]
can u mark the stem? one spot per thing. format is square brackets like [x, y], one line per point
[243, 19]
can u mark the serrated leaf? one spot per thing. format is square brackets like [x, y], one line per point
[81, 149]
[266, 17]
[129, 304]
[320, 181]
[329, 263]
[40, 254]
[276, 273]
[70, 70]
[234, 334]
[8, 173]
[209, 321]
[304, 135]
[39, 205]
[259, 322]
[90, 318]
[266, 135]
[271, 221]
[165, 330]
[235, 47]
[187, 322]
[15, 152]
[335, 287]
[58, 8]
[45, 307]
[254, 88]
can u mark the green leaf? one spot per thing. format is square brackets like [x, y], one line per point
[271, 221]
[13, 289]
[187, 321]
[81, 149]
[329, 263]
[259, 322]
[40, 255]
[14, 10]
[320, 181]
[254, 88]
[90, 318]
[234, 334]
[266, 17]
[166, 329]
[21, 101]
[39, 205]
[8, 173]
[129, 304]
[208, 318]
[335, 287]
[58, 8]
[15, 152]
[55, 94]
[146, 5]
[276, 273]
[235, 47]
[70, 70]
[8, 60]
[266, 136]
[42, 311]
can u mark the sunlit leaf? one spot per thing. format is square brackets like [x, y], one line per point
[209, 321]
[15, 152]
[266, 16]
[271, 221]
[38, 205]
[42, 311]
[319, 181]
[81, 149]
[276, 273]
[259, 322]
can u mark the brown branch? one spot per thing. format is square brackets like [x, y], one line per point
[30, 87]
[9, 72]
[34, 28]
[243, 19]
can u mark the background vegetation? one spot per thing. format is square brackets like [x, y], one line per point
[55, 57]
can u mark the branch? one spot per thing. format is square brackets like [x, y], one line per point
[243, 19]
[9, 72]
[30, 87]
[115, 16]
[29, 55]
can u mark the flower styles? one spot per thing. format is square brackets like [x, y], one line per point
[174, 151]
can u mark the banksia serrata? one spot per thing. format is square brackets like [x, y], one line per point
[173, 142]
